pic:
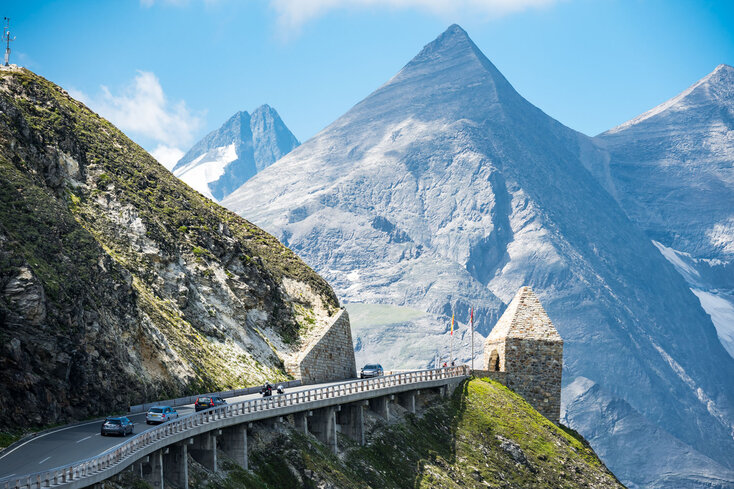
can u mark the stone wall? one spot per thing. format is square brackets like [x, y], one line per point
[494, 352]
[534, 371]
[328, 356]
[500, 377]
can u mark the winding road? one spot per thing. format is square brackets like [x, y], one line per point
[68, 444]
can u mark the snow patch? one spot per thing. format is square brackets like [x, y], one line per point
[680, 260]
[207, 168]
[721, 309]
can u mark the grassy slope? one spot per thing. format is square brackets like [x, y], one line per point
[176, 213]
[454, 444]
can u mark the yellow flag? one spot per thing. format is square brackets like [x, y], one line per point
[452, 324]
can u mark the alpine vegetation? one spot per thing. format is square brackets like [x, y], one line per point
[119, 284]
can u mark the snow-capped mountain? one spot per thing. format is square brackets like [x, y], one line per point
[445, 189]
[229, 156]
[683, 151]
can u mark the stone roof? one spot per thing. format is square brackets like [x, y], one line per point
[524, 318]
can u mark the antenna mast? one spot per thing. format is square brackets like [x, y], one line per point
[7, 39]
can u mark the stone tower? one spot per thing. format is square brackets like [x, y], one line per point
[525, 345]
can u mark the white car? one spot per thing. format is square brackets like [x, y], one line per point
[160, 414]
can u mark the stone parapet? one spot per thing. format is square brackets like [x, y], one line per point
[327, 357]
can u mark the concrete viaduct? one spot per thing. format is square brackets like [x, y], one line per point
[160, 454]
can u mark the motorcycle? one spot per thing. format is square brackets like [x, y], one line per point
[267, 390]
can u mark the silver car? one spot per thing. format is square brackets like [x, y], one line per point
[160, 414]
[371, 370]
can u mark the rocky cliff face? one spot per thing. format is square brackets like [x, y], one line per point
[445, 188]
[671, 171]
[226, 158]
[119, 283]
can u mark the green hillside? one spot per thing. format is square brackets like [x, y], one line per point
[120, 284]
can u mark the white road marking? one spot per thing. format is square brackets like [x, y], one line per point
[39, 463]
[11, 475]
[5, 453]
[85, 438]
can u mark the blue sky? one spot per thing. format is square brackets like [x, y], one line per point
[169, 71]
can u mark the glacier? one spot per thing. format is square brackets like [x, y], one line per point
[445, 189]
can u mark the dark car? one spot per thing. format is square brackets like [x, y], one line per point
[371, 370]
[206, 402]
[117, 426]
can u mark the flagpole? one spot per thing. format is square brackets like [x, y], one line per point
[451, 360]
[471, 321]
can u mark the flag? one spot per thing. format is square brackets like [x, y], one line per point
[452, 324]
[471, 315]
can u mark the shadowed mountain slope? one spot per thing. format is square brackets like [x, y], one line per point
[445, 188]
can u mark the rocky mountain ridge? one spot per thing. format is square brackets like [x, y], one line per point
[445, 189]
[120, 284]
[227, 157]
[683, 150]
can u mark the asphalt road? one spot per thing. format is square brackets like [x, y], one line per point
[69, 444]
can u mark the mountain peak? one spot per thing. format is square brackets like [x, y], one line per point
[453, 40]
[264, 109]
[449, 78]
[724, 68]
[713, 90]
[454, 31]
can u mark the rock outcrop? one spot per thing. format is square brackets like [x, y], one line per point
[120, 284]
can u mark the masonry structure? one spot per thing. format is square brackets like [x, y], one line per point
[327, 356]
[525, 352]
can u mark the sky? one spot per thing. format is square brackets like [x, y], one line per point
[167, 72]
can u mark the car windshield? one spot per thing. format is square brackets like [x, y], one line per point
[114, 421]
[156, 410]
[371, 367]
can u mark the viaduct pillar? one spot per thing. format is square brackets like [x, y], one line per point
[153, 470]
[323, 426]
[234, 444]
[381, 405]
[407, 400]
[204, 450]
[351, 420]
[175, 465]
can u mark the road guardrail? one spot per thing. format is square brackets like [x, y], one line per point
[112, 461]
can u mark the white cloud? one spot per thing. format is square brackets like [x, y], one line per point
[293, 13]
[144, 113]
[149, 3]
[167, 156]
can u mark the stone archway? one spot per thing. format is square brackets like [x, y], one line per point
[494, 361]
